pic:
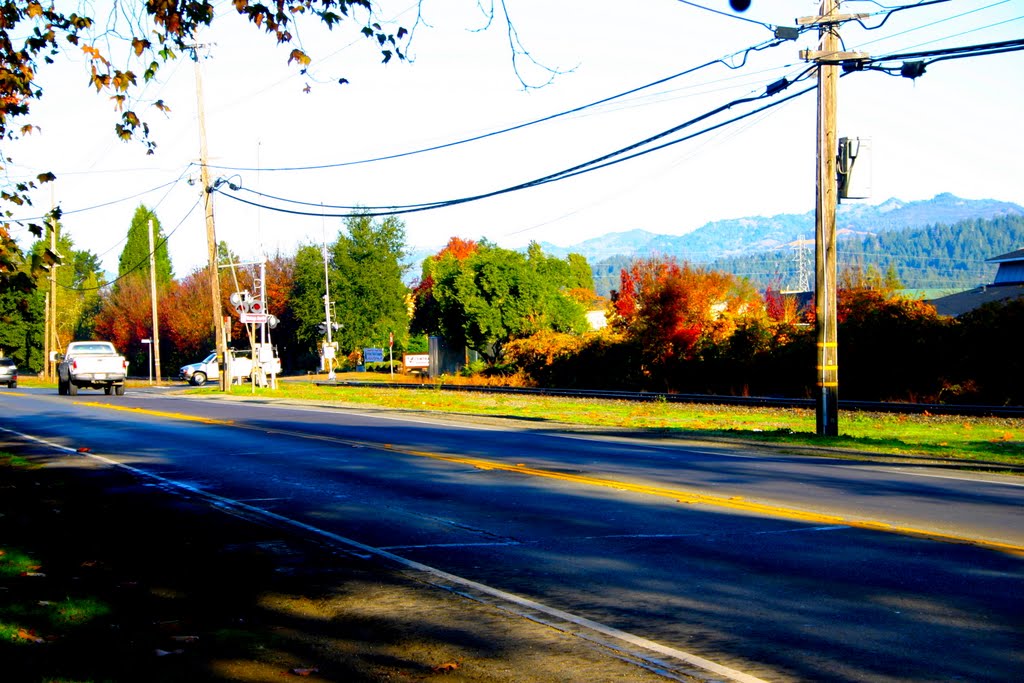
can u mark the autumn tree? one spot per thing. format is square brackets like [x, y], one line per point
[185, 330]
[125, 317]
[891, 347]
[675, 311]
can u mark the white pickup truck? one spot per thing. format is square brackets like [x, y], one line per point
[92, 364]
[207, 369]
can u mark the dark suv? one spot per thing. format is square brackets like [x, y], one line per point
[8, 372]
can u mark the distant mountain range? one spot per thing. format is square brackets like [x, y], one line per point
[740, 236]
[755, 246]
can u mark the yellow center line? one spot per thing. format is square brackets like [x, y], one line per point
[736, 503]
[732, 502]
[156, 413]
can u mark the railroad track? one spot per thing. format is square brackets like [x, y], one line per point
[767, 401]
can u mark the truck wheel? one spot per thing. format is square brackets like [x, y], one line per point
[199, 379]
[72, 388]
[119, 389]
[108, 390]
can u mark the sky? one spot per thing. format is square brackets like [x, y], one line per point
[955, 129]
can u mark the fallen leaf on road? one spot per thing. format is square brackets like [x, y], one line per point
[25, 634]
[446, 667]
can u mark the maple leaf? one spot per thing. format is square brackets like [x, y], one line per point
[299, 56]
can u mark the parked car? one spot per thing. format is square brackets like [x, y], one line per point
[206, 370]
[8, 372]
[92, 364]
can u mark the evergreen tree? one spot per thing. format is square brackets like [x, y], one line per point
[135, 255]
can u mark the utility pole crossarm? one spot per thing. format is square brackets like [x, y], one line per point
[830, 19]
[823, 57]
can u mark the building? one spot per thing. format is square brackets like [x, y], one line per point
[1008, 284]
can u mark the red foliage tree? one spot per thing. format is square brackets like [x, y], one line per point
[459, 248]
[674, 310]
[125, 317]
[279, 284]
[185, 319]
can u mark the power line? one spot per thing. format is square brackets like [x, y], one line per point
[609, 159]
[893, 10]
[145, 261]
[69, 212]
[911, 69]
[726, 14]
[721, 60]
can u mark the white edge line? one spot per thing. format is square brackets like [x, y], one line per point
[595, 626]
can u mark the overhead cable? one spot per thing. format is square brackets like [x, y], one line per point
[145, 261]
[630, 152]
[726, 14]
[721, 60]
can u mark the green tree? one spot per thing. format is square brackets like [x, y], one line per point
[307, 295]
[135, 255]
[21, 321]
[23, 312]
[366, 283]
[494, 295]
[580, 273]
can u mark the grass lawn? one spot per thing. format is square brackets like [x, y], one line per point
[991, 440]
[982, 440]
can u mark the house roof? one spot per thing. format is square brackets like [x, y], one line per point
[1005, 258]
[962, 302]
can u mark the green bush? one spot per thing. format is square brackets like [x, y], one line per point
[384, 367]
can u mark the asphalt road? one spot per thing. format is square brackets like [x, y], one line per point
[762, 565]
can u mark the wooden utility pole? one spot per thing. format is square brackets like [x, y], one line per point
[825, 233]
[828, 57]
[46, 337]
[211, 235]
[51, 312]
[155, 344]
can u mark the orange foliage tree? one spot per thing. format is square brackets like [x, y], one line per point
[674, 311]
[125, 318]
[185, 323]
